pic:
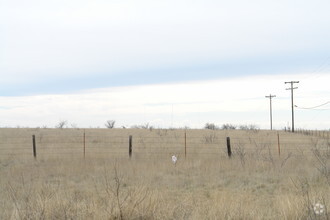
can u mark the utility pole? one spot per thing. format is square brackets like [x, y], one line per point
[271, 111]
[292, 106]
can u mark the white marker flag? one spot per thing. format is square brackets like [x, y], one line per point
[174, 159]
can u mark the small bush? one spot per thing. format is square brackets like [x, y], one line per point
[211, 126]
[250, 127]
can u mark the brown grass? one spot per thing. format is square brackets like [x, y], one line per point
[256, 183]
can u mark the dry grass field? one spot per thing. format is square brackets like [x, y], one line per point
[257, 182]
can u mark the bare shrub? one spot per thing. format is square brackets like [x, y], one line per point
[209, 139]
[211, 126]
[269, 156]
[309, 199]
[228, 127]
[74, 125]
[250, 127]
[322, 155]
[125, 202]
[62, 124]
[286, 159]
[162, 132]
[144, 126]
[240, 151]
[110, 124]
[259, 149]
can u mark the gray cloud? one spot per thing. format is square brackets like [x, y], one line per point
[64, 46]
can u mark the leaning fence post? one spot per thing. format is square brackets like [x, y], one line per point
[130, 146]
[228, 147]
[34, 146]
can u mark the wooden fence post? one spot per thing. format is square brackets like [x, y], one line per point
[130, 146]
[228, 147]
[34, 146]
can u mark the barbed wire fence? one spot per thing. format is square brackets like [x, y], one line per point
[143, 146]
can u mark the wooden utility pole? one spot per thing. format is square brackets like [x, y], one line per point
[292, 106]
[271, 111]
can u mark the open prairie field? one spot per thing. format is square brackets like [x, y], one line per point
[88, 174]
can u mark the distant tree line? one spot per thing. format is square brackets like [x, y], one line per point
[228, 126]
[110, 124]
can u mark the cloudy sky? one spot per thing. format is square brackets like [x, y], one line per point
[167, 63]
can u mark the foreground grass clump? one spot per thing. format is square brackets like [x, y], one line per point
[193, 189]
[255, 183]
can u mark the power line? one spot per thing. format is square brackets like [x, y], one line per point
[321, 109]
[271, 114]
[319, 70]
[322, 66]
[292, 106]
[314, 108]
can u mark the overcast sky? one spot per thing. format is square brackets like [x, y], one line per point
[167, 63]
